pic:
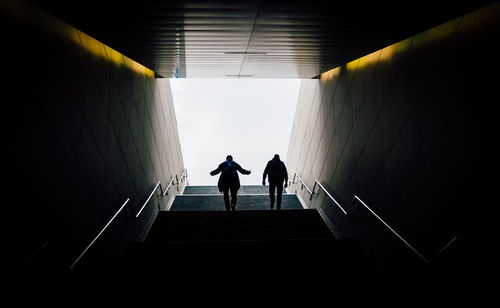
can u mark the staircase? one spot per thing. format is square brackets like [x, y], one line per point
[214, 190]
[208, 198]
[197, 243]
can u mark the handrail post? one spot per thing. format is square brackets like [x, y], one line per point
[176, 178]
[330, 196]
[312, 194]
[161, 190]
[304, 185]
[352, 204]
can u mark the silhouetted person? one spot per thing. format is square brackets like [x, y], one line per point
[229, 180]
[277, 174]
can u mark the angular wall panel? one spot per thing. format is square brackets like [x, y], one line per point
[91, 129]
[411, 134]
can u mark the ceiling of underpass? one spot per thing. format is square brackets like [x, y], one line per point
[251, 38]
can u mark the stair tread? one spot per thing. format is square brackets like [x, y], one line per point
[292, 260]
[203, 253]
[245, 189]
[197, 241]
[215, 202]
[219, 225]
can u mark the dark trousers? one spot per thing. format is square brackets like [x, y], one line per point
[278, 187]
[234, 193]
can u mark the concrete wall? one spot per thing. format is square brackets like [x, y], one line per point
[84, 128]
[409, 129]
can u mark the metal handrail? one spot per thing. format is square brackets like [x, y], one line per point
[170, 184]
[303, 184]
[176, 177]
[328, 194]
[184, 175]
[109, 222]
[32, 256]
[150, 195]
[426, 260]
[393, 231]
[444, 248]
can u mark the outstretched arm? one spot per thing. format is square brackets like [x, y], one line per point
[241, 170]
[216, 171]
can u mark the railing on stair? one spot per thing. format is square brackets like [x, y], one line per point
[303, 184]
[127, 201]
[165, 192]
[170, 184]
[356, 198]
[98, 235]
[147, 200]
[184, 175]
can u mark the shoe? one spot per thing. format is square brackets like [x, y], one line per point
[233, 207]
[271, 206]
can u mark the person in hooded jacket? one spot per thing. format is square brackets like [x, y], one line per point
[277, 174]
[229, 181]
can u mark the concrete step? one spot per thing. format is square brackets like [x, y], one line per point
[198, 246]
[245, 266]
[246, 189]
[244, 202]
[239, 225]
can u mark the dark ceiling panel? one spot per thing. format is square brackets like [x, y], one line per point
[251, 38]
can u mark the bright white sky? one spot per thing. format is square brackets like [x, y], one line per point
[250, 119]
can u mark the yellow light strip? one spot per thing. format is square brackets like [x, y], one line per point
[26, 13]
[388, 53]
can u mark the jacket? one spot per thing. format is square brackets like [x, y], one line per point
[229, 175]
[276, 171]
